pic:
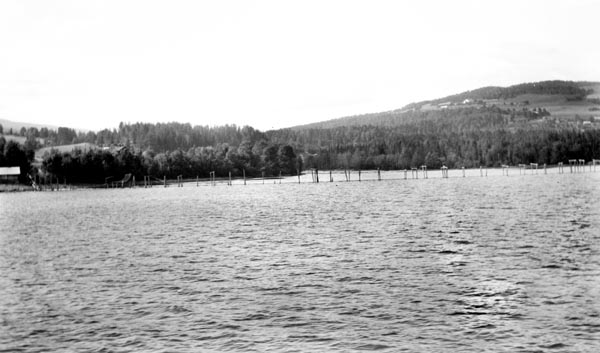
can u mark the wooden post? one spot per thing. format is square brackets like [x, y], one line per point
[480, 171]
[317, 174]
[359, 176]
[414, 172]
[330, 176]
[298, 175]
[133, 182]
[229, 178]
[165, 180]
[280, 177]
[244, 173]
[572, 164]
[463, 170]
[405, 172]
[263, 177]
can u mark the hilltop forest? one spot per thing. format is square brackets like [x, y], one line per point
[471, 129]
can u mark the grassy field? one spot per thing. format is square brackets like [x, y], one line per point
[64, 148]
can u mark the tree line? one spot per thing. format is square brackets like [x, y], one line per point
[98, 166]
[469, 137]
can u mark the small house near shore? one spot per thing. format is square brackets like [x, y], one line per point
[9, 175]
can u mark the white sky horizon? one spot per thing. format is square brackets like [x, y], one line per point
[274, 64]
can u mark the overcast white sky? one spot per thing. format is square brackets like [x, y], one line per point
[273, 64]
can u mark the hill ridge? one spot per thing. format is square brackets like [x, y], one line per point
[556, 94]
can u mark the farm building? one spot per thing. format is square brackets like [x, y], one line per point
[9, 175]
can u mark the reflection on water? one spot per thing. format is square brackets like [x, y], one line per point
[470, 265]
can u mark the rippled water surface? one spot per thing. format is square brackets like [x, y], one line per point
[439, 265]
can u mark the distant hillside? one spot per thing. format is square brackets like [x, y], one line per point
[16, 126]
[563, 100]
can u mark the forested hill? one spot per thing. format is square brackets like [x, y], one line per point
[543, 122]
[565, 100]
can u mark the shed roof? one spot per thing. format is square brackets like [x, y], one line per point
[10, 170]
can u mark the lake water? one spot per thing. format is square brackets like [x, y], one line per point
[475, 264]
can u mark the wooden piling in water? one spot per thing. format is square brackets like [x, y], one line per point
[532, 165]
[561, 168]
[298, 170]
[244, 173]
[572, 163]
[463, 170]
[280, 177]
[229, 179]
[414, 172]
[330, 177]
[378, 174]
[444, 172]
[165, 180]
[405, 173]
[424, 169]
[317, 174]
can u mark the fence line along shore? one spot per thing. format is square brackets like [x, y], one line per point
[573, 166]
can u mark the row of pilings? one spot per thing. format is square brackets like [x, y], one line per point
[50, 183]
